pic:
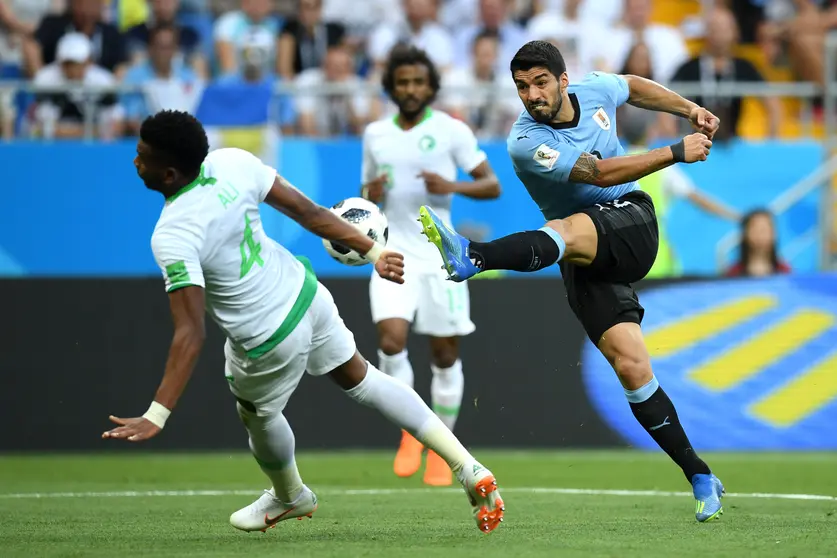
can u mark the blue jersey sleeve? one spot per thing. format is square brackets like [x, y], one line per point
[612, 86]
[538, 152]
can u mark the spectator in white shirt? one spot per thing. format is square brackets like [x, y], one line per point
[167, 82]
[332, 114]
[604, 13]
[62, 114]
[361, 16]
[232, 30]
[490, 108]
[577, 38]
[418, 28]
[665, 43]
[494, 17]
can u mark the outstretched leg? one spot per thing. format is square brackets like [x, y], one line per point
[402, 406]
[573, 239]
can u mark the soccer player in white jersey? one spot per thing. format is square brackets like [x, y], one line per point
[278, 319]
[408, 161]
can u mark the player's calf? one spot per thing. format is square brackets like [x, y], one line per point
[403, 406]
[625, 349]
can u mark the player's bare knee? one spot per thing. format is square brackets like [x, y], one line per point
[445, 358]
[444, 351]
[391, 344]
[633, 371]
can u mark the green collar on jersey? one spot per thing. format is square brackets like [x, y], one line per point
[428, 112]
[200, 180]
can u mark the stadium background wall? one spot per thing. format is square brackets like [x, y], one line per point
[82, 349]
[85, 213]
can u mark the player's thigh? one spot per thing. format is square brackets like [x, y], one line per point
[390, 300]
[624, 348]
[444, 307]
[628, 238]
[580, 237]
[332, 344]
[264, 385]
[599, 305]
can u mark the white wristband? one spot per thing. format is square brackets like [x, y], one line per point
[374, 253]
[157, 415]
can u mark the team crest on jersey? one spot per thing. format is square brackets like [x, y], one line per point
[546, 156]
[427, 143]
[602, 119]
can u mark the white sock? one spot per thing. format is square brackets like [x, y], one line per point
[402, 406]
[396, 366]
[272, 443]
[446, 389]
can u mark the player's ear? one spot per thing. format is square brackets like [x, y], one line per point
[170, 175]
[564, 80]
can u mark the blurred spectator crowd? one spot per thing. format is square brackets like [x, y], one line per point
[173, 53]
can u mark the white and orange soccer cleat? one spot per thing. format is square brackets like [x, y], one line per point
[408, 459]
[481, 487]
[267, 511]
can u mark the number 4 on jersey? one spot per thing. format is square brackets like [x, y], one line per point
[250, 249]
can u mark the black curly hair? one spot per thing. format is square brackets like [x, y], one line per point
[177, 139]
[539, 53]
[408, 55]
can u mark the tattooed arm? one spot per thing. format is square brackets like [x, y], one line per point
[619, 170]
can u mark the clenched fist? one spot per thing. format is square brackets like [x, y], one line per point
[697, 147]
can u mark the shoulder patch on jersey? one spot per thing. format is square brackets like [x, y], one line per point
[177, 272]
[601, 118]
[546, 156]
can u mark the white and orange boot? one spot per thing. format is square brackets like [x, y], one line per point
[436, 470]
[481, 487]
[267, 511]
[408, 458]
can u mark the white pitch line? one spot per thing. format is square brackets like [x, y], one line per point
[391, 491]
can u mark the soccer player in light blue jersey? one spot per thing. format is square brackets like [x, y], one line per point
[601, 228]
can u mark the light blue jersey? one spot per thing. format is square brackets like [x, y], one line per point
[543, 155]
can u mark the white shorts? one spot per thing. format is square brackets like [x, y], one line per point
[320, 343]
[434, 305]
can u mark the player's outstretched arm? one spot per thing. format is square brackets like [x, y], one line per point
[319, 220]
[187, 312]
[484, 186]
[650, 95]
[589, 169]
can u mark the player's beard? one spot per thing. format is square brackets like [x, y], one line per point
[410, 114]
[546, 118]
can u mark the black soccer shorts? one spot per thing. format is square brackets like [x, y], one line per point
[601, 294]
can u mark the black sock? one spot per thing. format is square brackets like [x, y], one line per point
[523, 251]
[658, 417]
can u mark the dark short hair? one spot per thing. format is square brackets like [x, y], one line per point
[539, 53]
[408, 55]
[161, 28]
[492, 34]
[177, 138]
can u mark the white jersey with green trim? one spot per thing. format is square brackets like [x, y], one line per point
[439, 144]
[210, 235]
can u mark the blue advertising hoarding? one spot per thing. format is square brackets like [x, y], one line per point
[749, 364]
[78, 209]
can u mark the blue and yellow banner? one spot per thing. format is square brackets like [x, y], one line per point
[749, 364]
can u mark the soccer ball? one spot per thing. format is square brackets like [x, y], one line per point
[364, 216]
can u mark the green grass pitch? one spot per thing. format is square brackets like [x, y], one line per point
[103, 506]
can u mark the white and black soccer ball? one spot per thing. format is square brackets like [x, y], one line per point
[364, 216]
